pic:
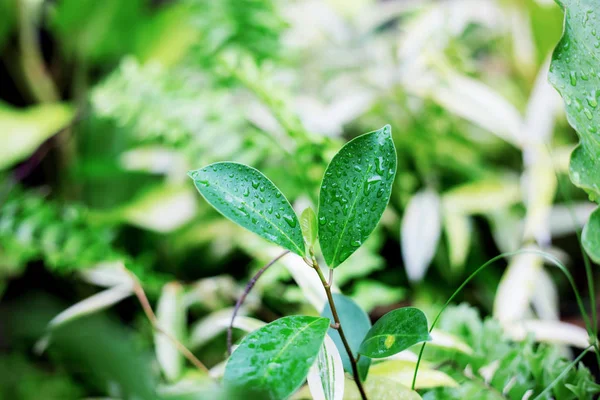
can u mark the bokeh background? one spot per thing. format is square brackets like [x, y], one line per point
[105, 105]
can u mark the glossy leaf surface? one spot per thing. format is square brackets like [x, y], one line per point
[590, 237]
[354, 193]
[575, 73]
[251, 200]
[273, 361]
[356, 324]
[395, 331]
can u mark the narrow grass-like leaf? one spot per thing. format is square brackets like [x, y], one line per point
[273, 362]
[356, 324]
[354, 193]
[395, 331]
[251, 200]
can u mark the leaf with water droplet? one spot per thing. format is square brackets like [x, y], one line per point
[579, 44]
[273, 361]
[369, 163]
[217, 185]
[394, 332]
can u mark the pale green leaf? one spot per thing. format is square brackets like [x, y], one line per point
[326, 376]
[403, 372]
[171, 317]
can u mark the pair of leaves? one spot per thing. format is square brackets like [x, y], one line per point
[575, 73]
[354, 193]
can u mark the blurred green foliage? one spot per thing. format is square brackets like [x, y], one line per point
[106, 105]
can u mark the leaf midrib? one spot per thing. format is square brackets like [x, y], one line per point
[261, 216]
[262, 378]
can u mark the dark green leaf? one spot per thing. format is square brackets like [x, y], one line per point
[356, 324]
[250, 199]
[590, 237]
[394, 332]
[308, 222]
[273, 361]
[354, 193]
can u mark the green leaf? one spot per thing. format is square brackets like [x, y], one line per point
[251, 200]
[308, 222]
[590, 237]
[273, 361]
[354, 193]
[574, 73]
[394, 332]
[356, 324]
[23, 131]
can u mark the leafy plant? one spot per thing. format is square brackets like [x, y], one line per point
[274, 360]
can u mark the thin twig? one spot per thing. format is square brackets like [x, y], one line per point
[241, 299]
[141, 295]
[338, 326]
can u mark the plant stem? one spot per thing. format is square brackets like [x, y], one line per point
[241, 299]
[338, 324]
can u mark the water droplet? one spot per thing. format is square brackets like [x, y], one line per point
[255, 184]
[254, 220]
[278, 194]
[262, 199]
[204, 183]
[588, 113]
[291, 221]
[246, 192]
[356, 243]
[277, 215]
[194, 174]
[270, 210]
[573, 77]
[262, 189]
[577, 105]
[380, 192]
[357, 168]
[592, 101]
[322, 220]
[231, 175]
[379, 165]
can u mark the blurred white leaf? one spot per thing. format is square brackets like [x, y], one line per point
[483, 196]
[516, 287]
[522, 39]
[564, 219]
[153, 159]
[107, 274]
[217, 322]
[92, 304]
[458, 229]
[481, 105]
[163, 209]
[171, 317]
[403, 372]
[448, 341]
[506, 229]
[326, 376]
[545, 296]
[555, 332]
[420, 232]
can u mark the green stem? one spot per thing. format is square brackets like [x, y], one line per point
[338, 327]
[547, 256]
[562, 374]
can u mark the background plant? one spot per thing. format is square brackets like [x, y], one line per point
[111, 113]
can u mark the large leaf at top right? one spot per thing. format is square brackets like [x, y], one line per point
[355, 191]
[575, 73]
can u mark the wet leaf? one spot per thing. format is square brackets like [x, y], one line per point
[395, 331]
[251, 200]
[273, 362]
[354, 193]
